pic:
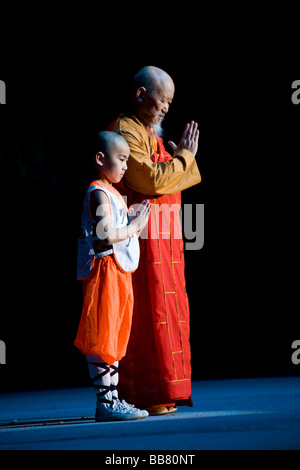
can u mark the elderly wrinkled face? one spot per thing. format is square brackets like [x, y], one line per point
[155, 104]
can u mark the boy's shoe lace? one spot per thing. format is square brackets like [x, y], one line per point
[128, 406]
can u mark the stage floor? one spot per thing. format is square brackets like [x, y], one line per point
[260, 413]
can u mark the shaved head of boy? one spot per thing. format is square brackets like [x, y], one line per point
[111, 157]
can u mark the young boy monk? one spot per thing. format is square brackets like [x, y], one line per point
[108, 252]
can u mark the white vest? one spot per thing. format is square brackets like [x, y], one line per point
[126, 253]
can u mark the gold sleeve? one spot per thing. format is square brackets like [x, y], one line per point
[159, 178]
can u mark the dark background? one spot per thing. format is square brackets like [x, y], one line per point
[242, 284]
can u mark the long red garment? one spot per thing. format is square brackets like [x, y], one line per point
[157, 366]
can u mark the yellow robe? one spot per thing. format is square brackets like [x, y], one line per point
[159, 178]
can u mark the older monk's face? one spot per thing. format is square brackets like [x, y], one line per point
[155, 104]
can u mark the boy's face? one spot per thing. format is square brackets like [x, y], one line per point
[114, 163]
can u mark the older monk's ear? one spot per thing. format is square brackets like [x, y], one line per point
[140, 93]
[99, 158]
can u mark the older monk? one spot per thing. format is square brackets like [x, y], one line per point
[156, 371]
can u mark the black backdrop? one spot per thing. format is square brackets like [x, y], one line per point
[241, 284]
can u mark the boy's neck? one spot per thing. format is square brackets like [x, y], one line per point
[103, 180]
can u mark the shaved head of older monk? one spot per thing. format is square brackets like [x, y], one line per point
[153, 93]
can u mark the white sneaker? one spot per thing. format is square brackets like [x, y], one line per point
[144, 413]
[115, 412]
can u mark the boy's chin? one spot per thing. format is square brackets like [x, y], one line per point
[117, 180]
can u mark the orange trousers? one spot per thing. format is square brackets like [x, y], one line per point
[106, 317]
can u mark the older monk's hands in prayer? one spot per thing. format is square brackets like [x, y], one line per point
[189, 139]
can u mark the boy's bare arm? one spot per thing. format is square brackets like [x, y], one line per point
[100, 209]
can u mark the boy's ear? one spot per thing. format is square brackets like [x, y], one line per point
[99, 158]
[140, 93]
